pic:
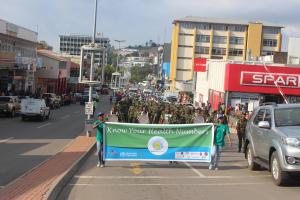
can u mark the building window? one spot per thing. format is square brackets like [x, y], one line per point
[218, 51]
[270, 43]
[203, 38]
[185, 46]
[220, 39]
[203, 26]
[237, 28]
[235, 52]
[268, 53]
[186, 34]
[187, 25]
[185, 58]
[236, 40]
[202, 50]
[271, 30]
[220, 27]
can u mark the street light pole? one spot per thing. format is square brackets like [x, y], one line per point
[92, 58]
[119, 42]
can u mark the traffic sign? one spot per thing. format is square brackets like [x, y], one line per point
[89, 108]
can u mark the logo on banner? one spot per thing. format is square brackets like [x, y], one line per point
[158, 145]
[270, 79]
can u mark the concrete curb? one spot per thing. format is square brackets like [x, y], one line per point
[62, 181]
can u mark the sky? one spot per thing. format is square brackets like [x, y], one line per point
[138, 21]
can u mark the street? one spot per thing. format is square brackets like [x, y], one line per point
[161, 180]
[26, 144]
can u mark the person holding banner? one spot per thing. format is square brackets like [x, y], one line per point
[221, 131]
[99, 126]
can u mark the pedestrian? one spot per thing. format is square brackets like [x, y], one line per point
[221, 131]
[94, 106]
[241, 130]
[99, 126]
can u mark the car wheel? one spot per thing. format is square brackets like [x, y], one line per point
[280, 177]
[13, 113]
[250, 159]
[48, 116]
[23, 118]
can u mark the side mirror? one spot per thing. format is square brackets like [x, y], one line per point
[264, 124]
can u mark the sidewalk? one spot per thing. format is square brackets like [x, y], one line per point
[35, 184]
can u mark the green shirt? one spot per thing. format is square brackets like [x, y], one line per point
[221, 131]
[99, 133]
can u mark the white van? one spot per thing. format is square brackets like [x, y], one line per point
[34, 108]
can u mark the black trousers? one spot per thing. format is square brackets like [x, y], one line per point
[241, 137]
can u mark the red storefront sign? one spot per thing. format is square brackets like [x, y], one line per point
[200, 64]
[258, 79]
[270, 79]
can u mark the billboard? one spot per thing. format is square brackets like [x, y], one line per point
[256, 79]
[142, 142]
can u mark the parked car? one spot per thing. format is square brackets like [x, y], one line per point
[85, 98]
[95, 96]
[31, 108]
[54, 100]
[67, 99]
[9, 105]
[273, 141]
[104, 89]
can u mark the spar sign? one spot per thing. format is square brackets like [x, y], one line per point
[158, 142]
[270, 79]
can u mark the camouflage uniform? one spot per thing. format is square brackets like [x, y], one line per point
[241, 130]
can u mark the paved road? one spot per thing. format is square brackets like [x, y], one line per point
[24, 145]
[162, 181]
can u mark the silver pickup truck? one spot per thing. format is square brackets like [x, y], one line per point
[9, 105]
[273, 141]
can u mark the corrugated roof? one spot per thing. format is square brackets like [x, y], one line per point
[223, 21]
[50, 54]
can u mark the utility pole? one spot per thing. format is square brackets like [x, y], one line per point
[92, 59]
[119, 42]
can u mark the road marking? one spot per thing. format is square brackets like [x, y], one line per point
[168, 184]
[195, 170]
[168, 177]
[65, 117]
[136, 168]
[6, 140]
[43, 125]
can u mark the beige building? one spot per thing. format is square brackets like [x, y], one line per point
[197, 37]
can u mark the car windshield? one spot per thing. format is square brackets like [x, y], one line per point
[4, 99]
[287, 116]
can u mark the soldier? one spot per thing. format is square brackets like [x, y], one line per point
[131, 114]
[241, 130]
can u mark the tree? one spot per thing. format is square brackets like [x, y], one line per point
[139, 74]
[108, 70]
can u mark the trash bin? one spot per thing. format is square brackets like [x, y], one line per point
[89, 127]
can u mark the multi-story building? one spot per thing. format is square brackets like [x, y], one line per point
[17, 58]
[71, 44]
[195, 37]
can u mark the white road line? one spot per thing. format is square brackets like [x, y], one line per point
[195, 170]
[167, 177]
[6, 140]
[167, 184]
[65, 117]
[43, 125]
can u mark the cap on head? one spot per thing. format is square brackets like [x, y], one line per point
[100, 114]
[221, 117]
